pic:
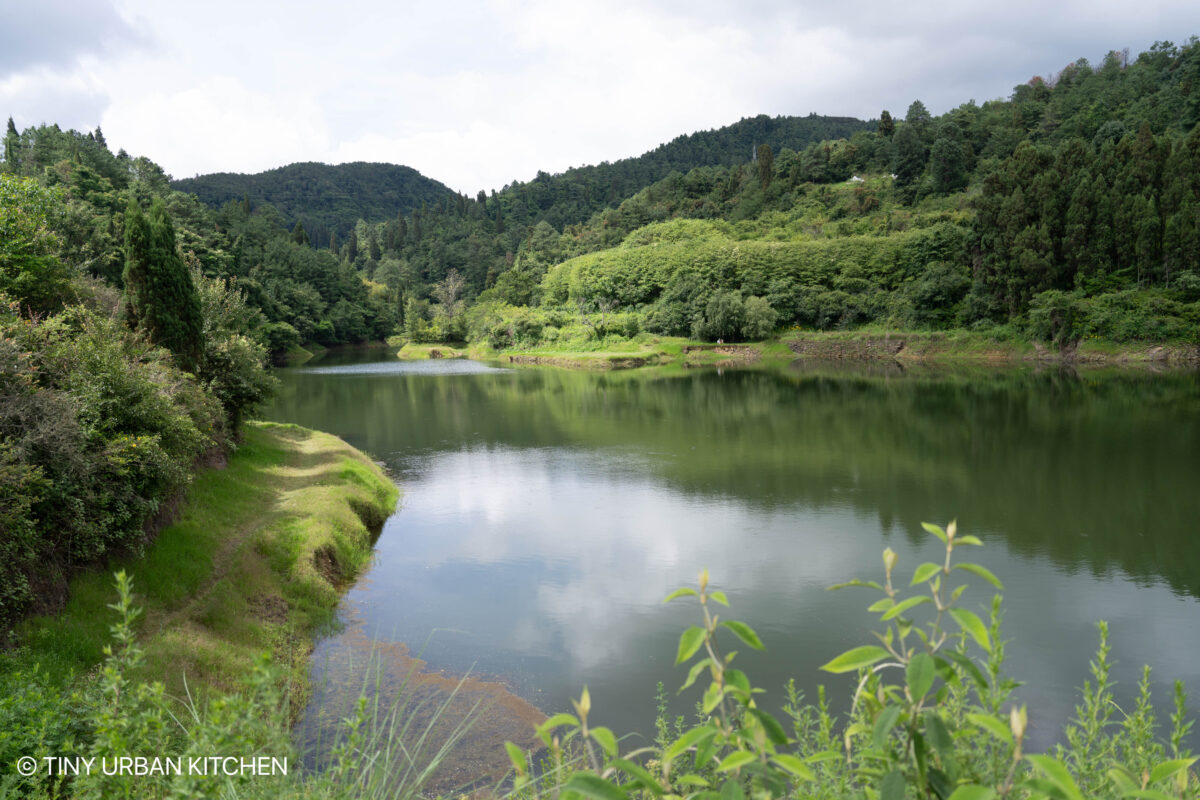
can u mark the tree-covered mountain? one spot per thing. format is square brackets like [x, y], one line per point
[332, 198]
[1067, 210]
[326, 199]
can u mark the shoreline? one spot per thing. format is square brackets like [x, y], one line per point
[900, 347]
[257, 560]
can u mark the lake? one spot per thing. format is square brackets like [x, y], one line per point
[546, 513]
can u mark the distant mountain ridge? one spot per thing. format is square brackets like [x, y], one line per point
[333, 197]
[325, 197]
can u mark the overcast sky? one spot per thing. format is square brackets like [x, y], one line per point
[478, 93]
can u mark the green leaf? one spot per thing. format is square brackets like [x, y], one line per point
[1169, 768]
[857, 658]
[737, 679]
[688, 739]
[855, 582]
[745, 633]
[681, 592]
[606, 739]
[982, 572]
[558, 720]
[903, 606]
[735, 760]
[935, 530]
[892, 786]
[884, 723]
[993, 726]
[794, 765]
[1057, 775]
[694, 673]
[517, 756]
[712, 697]
[1121, 777]
[692, 780]
[706, 751]
[920, 674]
[973, 792]
[1150, 794]
[719, 597]
[775, 732]
[639, 774]
[925, 572]
[968, 666]
[594, 786]
[689, 643]
[968, 540]
[882, 604]
[732, 790]
[939, 735]
[970, 622]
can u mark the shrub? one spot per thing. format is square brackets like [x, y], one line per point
[931, 717]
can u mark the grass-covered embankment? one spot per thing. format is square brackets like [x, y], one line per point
[254, 564]
[873, 343]
[421, 352]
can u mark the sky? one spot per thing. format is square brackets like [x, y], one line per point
[481, 93]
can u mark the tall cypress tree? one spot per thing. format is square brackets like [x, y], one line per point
[12, 140]
[766, 165]
[160, 298]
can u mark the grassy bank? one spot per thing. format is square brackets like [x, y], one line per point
[253, 565]
[866, 344]
[421, 352]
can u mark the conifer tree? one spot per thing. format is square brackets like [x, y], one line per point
[299, 235]
[766, 165]
[887, 125]
[160, 298]
[12, 141]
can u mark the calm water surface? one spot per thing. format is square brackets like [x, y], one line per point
[547, 513]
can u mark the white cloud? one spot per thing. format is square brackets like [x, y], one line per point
[479, 94]
[204, 125]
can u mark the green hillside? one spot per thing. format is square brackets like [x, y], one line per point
[325, 198]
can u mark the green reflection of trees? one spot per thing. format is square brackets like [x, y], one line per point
[1084, 470]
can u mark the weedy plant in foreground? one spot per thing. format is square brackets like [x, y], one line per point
[931, 717]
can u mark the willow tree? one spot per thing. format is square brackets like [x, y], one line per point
[160, 298]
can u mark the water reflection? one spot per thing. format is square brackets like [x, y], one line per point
[546, 514]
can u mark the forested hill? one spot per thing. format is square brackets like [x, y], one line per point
[574, 196]
[325, 198]
[333, 198]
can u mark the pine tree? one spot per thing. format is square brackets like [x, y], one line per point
[766, 165]
[12, 142]
[160, 298]
[373, 251]
[99, 135]
[887, 125]
[299, 235]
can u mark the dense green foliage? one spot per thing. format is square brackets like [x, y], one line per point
[1064, 212]
[411, 248]
[107, 399]
[326, 200]
[160, 297]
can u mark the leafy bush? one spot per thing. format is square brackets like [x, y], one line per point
[97, 429]
[931, 717]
